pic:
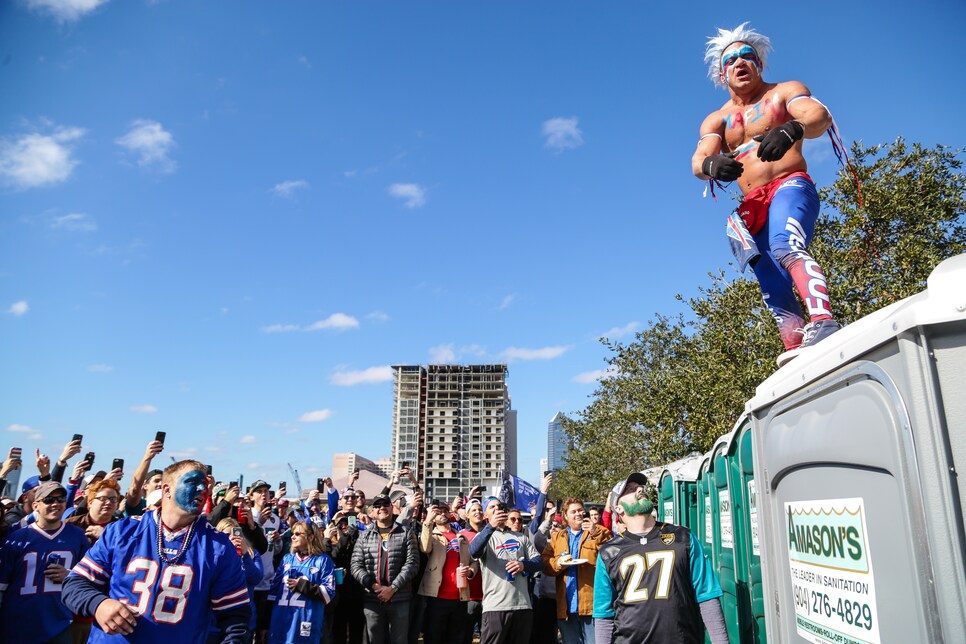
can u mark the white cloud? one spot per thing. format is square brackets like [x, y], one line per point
[334, 321]
[365, 376]
[248, 439]
[100, 368]
[620, 331]
[412, 194]
[31, 433]
[65, 10]
[588, 377]
[442, 354]
[316, 416]
[36, 160]
[377, 316]
[18, 308]
[287, 188]
[151, 143]
[507, 301]
[75, 222]
[545, 353]
[144, 409]
[473, 350]
[562, 134]
[280, 328]
[252, 466]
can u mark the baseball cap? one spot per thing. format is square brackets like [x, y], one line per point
[380, 498]
[219, 489]
[46, 488]
[346, 490]
[282, 503]
[153, 498]
[30, 484]
[257, 484]
[636, 477]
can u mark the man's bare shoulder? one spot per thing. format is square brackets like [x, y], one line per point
[788, 90]
[714, 122]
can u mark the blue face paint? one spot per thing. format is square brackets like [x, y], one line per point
[748, 53]
[190, 486]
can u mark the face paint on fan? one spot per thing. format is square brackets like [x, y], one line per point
[189, 487]
[747, 53]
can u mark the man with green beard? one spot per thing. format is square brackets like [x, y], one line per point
[653, 582]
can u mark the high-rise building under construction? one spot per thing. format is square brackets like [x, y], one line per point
[454, 425]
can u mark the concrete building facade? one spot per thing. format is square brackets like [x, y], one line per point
[345, 463]
[455, 425]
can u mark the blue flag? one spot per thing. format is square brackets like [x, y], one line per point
[524, 495]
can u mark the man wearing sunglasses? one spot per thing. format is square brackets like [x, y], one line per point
[384, 562]
[755, 138]
[34, 562]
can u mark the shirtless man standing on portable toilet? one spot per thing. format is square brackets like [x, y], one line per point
[756, 139]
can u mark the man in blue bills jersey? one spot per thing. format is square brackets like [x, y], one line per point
[33, 563]
[163, 577]
[653, 582]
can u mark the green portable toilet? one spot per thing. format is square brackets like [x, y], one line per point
[750, 589]
[859, 450]
[704, 527]
[705, 523]
[722, 514]
[677, 491]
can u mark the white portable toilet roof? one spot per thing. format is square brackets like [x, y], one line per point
[685, 469]
[944, 300]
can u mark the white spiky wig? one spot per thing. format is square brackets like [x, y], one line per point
[724, 39]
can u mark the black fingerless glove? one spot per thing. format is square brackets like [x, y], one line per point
[722, 167]
[777, 142]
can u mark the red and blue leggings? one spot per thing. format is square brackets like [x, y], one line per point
[785, 265]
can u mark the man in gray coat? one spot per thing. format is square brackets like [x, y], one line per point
[384, 561]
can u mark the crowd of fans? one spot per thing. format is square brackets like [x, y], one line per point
[179, 557]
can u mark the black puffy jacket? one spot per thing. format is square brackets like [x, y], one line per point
[391, 564]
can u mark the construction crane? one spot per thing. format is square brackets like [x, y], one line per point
[295, 475]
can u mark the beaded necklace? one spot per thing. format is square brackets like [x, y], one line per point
[162, 556]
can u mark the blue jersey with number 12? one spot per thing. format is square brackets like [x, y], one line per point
[296, 618]
[175, 602]
[31, 609]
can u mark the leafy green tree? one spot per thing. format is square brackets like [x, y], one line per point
[682, 382]
[911, 218]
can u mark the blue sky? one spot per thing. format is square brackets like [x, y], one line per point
[225, 220]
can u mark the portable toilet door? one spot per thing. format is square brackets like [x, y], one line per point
[704, 526]
[705, 522]
[751, 543]
[665, 497]
[724, 533]
[860, 500]
[750, 589]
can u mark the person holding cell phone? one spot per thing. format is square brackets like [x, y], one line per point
[144, 480]
[506, 556]
[269, 524]
[250, 559]
[303, 586]
[571, 557]
[33, 564]
[236, 506]
[445, 582]
[348, 623]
